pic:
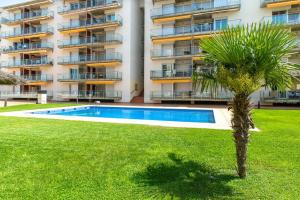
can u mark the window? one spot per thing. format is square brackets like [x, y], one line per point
[221, 24]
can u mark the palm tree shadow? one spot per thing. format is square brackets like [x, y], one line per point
[184, 180]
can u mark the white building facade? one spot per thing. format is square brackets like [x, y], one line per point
[116, 50]
[74, 49]
[174, 29]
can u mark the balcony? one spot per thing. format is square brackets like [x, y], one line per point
[109, 59]
[18, 95]
[91, 41]
[36, 79]
[278, 3]
[30, 32]
[28, 63]
[176, 53]
[191, 96]
[27, 4]
[32, 16]
[176, 12]
[83, 25]
[295, 73]
[21, 95]
[286, 97]
[195, 31]
[92, 78]
[89, 6]
[286, 19]
[40, 47]
[172, 76]
[92, 95]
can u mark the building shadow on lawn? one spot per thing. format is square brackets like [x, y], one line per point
[184, 180]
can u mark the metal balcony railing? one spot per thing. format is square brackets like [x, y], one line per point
[195, 28]
[28, 16]
[91, 76]
[191, 95]
[90, 58]
[162, 74]
[96, 94]
[177, 51]
[110, 38]
[90, 22]
[206, 6]
[27, 63]
[28, 31]
[27, 46]
[73, 7]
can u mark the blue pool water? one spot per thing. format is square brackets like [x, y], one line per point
[177, 115]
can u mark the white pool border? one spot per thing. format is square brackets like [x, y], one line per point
[222, 117]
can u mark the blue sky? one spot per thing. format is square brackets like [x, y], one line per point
[9, 2]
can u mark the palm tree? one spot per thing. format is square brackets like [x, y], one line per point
[246, 58]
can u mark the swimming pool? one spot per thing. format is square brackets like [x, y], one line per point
[155, 114]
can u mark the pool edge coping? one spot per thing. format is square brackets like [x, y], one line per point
[221, 115]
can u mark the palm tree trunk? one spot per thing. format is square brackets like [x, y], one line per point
[241, 123]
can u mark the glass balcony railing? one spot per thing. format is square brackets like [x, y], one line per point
[19, 47]
[73, 7]
[91, 76]
[81, 59]
[22, 94]
[28, 16]
[286, 19]
[292, 96]
[170, 74]
[36, 78]
[295, 73]
[111, 38]
[90, 94]
[19, 32]
[195, 29]
[90, 22]
[27, 63]
[176, 52]
[191, 95]
[206, 6]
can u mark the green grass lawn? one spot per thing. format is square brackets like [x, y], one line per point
[55, 159]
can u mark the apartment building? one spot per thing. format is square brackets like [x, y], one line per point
[174, 29]
[74, 49]
[115, 49]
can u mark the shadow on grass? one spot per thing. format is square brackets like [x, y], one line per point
[184, 180]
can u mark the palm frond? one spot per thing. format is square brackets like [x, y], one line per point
[204, 80]
[251, 53]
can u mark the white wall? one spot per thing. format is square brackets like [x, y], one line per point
[249, 12]
[132, 63]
